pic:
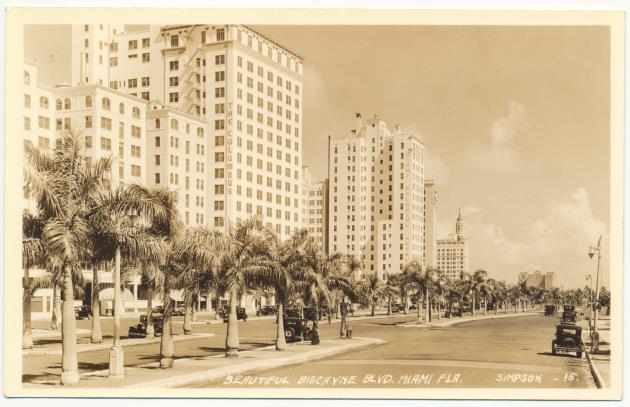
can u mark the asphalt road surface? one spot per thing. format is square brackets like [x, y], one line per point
[500, 353]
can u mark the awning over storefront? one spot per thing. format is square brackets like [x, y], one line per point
[108, 294]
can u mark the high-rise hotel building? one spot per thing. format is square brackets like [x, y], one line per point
[243, 87]
[430, 222]
[376, 197]
[315, 207]
[452, 252]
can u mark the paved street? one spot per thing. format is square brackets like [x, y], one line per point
[510, 352]
[490, 353]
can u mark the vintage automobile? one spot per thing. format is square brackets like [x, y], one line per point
[568, 339]
[298, 329]
[240, 314]
[569, 315]
[178, 311]
[140, 330]
[266, 310]
[550, 310]
[83, 312]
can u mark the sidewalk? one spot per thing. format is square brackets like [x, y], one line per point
[446, 322]
[188, 371]
[55, 349]
[599, 362]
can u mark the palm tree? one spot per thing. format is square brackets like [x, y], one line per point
[247, 245]
[63, 185]
[32, 255]
[417, 276]
[388, 291]
[372, 288]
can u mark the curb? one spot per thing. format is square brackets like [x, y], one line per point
[256, 365]
[462, 321]
[102, 346]
[597, 377]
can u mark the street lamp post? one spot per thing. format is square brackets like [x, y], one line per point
[589, 279]
[591, 252]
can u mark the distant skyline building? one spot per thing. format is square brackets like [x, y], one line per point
[314, 207]
[538, 279]
[376, 180]
[452, 252]
[430, 222]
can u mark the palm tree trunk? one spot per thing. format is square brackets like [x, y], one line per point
[216, 311]
[485, 305]
[344, 316]
[56, 311]
[472, 305]
[167, 350]
[97, 336]
[149, 328]
[439, 317]
[116, 354]
[209, 301]
[69, 363]
[281, 342]
[419, 313]
[188, 311]
[427, 303]
[389, 305]
[27, 334]
[373, 306]
[231, 339]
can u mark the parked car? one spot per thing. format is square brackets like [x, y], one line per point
[266, 310]
[140, 330]
[568, 339]
[297, 329]
[550, 310]
[397, 307]
[178, 312]
[83, 312]
[240, 314]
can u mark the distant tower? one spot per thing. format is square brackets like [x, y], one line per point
[459, 225]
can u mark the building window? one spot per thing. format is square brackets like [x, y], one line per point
[113, 47]
[135, 171]
[174, 124]
[88, 101]
[135, 112]
[67, 104]
[219, 141]
[221, 34]
[113, 84]
[132, 83]
[146, 42]
[146, 57]
[157, 141]
[219, 76]
[88, 122]
[27, 100]
[219, 59]
[219, 92]
[106, 104]
[173, 97]
[135, 151]
[133, 44]
[135, 131]
[219, 124]
[106, 123]
[27, 123]
[173, 65]
[106, 144]
[113, 61]
[173, 81]
[58, 104]
[157, 177]
[145, 81]
[43, 102]
[174, 41]
[145, 95]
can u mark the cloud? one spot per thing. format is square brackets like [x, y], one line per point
[558, 241]
[498, 154]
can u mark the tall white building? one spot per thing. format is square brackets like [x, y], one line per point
[376, 197]
[430, 222]
[314, 207]
[452, 252]
[244, 86]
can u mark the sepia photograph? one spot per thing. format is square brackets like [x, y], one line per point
[392, 204]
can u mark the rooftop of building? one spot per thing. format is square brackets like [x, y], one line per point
[157, 106]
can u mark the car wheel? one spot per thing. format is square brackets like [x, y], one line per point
[289, 334]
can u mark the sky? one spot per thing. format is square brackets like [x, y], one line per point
[515, 122]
